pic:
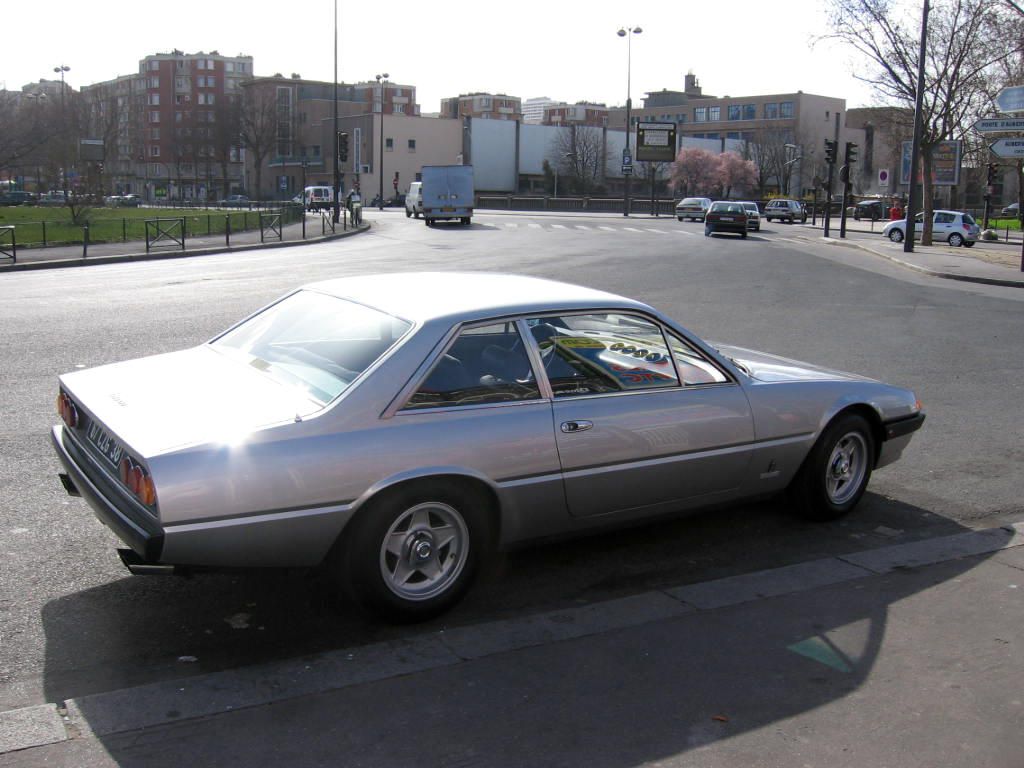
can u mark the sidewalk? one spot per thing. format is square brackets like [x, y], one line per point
[202, 245]
[902, 656]
[989, 262]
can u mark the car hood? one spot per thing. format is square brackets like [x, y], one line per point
[156, 404]
[765, 367]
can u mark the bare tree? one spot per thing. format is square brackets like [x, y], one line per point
[580, 150]
[964, 46]
[227, 138]
[258, 124]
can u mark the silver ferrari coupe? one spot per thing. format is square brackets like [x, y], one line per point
[398, 429]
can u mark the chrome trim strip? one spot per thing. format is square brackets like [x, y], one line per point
[254, 519]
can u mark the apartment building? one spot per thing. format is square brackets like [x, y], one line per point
[485, 106]
[167, 129]
[533, 109]
[580, 113]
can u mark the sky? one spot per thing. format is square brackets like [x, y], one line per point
[566, 50]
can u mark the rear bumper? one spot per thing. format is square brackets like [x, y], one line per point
[134, 527]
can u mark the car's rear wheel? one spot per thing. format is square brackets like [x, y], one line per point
[679, 217]
[413, 552]
[956, 239]
[836, 472]
[408, 213]
[896, 235]
[968, 243]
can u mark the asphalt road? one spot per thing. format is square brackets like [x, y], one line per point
[72, 622]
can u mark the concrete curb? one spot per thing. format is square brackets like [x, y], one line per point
[188, 253]
[928, 270]
[155, 704]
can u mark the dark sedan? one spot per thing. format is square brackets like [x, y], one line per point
[724, 216]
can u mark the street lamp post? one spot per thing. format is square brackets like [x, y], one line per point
[628, 32]
[63, 122]
[567, 156]
[382, 81]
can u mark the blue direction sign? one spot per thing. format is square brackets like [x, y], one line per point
[999, 125]
[1011, 99]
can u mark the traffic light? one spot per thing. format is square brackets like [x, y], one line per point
[851, 153]
[993, 169]
[830, 152]
[342, 147]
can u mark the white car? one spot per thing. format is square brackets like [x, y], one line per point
[693, 208]
[753, 215]
[954, 227]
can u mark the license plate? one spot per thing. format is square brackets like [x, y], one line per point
[725, 218]
[448, 209]
[108, 447]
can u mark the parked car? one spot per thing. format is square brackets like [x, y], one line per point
[1011, 211]
[52, 199]
[398, 429]
[318, 198]
[131, 201]
[693, 208]
[234, 201]
[788, 211]
[875, 210]
[753, 215]
[17, 197]
[954, 227]
[726, 216]
[414, 200]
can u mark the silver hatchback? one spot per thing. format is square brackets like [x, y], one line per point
[954, 227]
[398, 429]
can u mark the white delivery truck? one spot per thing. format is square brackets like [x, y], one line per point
[318, 198]
[447, 193]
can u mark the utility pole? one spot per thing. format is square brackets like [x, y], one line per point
[915, 148]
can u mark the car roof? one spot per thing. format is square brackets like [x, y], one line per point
[465, 296]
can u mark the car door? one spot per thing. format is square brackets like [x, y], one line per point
[641, 424]
[944, 224]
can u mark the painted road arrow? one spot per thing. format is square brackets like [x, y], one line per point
[1011, 99]
[1008, 147]
[999, 124]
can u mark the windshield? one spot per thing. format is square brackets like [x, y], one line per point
[313, 343]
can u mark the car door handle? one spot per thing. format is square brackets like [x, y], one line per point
[576, 426]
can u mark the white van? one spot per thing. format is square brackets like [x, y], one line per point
[318, 198]
[414, 199]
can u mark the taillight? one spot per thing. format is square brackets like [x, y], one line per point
[137, 480]
[67, 410]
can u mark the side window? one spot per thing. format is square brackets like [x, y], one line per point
[602, 353]
[485, 364]
[944, 218]
[693, 366]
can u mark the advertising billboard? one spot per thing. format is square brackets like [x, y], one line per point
[656, 142]
[945, 164]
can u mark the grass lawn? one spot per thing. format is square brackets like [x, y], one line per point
[1001, 225]
[44, 225]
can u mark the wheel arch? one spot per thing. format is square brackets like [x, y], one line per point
[870, 414]
[474, 482]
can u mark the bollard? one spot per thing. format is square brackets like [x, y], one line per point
[44, 233]
[124, 230]
[227, 230]
[85, 241]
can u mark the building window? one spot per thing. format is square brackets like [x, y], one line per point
[771, 111]
[749, 111]
[154, 65]
[412, 145]
[316, 150]
[734, 112]
[154, 82]
[732, 135]
[154, 151]
[700, 115]
[154, 134]
[714, 114]
[398, 109]
[786, 109]
[154, 117]
[389, 145]
[229, 66]
[154, 99]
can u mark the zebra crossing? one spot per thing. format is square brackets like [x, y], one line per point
[636, 228]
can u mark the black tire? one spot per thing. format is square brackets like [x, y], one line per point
[707, 231]
[413, 586]
[896, 235]
[837, 470]
[743, 235]
[408, 213]
[968, 243]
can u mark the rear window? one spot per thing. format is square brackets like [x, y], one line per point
[313, 343]
[968, 219]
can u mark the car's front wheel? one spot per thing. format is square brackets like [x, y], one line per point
[896, 235]
[413, 553]
[836, 472]
[956, 239]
